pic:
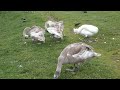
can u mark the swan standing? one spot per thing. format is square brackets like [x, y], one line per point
[86, 30]
[74, 54]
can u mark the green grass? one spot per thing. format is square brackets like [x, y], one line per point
[34, 61]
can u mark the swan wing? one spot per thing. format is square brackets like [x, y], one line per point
[53, 30]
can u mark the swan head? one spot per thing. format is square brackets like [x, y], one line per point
[97, 54]
[56, 75]
[26, 36]
[75, 30]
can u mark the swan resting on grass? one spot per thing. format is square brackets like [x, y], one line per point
[74, 54]
[36, 33]
[86, 30]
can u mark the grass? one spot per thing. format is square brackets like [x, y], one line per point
[33, 61]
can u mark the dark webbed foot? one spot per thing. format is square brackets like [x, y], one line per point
[88, 39]
[75, 68]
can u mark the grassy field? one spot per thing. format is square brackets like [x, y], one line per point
[34, 61]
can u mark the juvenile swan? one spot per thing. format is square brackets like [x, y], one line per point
[36, 33]
[55, 28]
[74, 54]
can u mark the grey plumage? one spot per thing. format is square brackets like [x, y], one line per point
[74, 54]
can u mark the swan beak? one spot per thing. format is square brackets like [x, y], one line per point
[97, 54]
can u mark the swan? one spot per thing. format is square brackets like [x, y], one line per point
[50, 23]
[86, 30]
[55, 28]
[74, 54]
[36, 33]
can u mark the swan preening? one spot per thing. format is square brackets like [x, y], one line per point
[55, 28]
[36, 33]
[86, 30]
[74, 54]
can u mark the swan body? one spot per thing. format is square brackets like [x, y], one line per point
[74, 54]
[35, 32]
[86, 30]
[55, 28]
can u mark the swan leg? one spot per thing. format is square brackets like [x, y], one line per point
[33, 41]
[91, 40]
[75, 68]
[88, 39]
[52, 36]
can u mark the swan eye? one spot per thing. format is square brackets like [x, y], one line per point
[88, 48]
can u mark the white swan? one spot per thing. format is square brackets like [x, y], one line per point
[86, 30]
[74, 54]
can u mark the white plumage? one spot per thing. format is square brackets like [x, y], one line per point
[86, 30]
